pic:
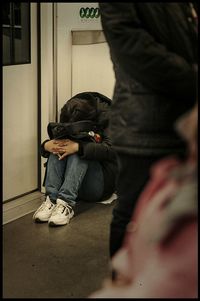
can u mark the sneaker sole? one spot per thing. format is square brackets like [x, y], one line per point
[52, 224]
[38, 221]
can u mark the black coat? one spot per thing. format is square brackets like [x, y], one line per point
[153, 47]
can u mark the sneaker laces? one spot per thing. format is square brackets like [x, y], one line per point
[60, 208]
[44, 205]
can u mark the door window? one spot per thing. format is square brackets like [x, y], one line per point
[16, 33]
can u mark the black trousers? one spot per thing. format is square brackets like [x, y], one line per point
[134, 175]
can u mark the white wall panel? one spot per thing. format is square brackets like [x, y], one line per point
[47, 88]
[92, 69]
[68, 20]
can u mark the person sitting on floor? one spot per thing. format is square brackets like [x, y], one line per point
[82, 164]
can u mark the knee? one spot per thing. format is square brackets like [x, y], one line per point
[75, 159]
[53, 157]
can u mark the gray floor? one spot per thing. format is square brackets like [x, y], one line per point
[63, 262]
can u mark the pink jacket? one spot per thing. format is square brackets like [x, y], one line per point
[159, 255]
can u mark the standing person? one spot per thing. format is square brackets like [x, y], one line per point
[153, 47]
[81, 162]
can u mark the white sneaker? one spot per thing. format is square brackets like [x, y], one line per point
[43, 213]
[61, 214]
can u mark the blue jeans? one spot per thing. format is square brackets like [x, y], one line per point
[73, 178]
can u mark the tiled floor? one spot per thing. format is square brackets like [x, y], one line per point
[63, 262]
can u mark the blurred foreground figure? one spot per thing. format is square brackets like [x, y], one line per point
[158, 258]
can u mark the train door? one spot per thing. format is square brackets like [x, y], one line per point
[20, 100]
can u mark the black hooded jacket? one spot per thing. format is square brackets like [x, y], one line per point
[153, 47]
[102, 152]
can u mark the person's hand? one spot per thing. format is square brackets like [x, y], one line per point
[52, 146]
[66, 147]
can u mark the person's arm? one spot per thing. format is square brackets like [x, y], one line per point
[97, 151]
[53, 146]
[44, 153]
[141, 57]
[86, 150]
